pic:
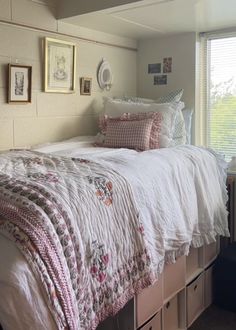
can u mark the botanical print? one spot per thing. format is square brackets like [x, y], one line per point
[19, 89]
[154, 68]
[19, 83]
[160, 79]
[167, 65]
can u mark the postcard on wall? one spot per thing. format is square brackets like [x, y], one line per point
[19, 88]
[154, 68]
[59, 66]
[167, 64]
[160, 79]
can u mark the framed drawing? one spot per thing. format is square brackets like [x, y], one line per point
[85, 86]
[60, 66]
[19, 83]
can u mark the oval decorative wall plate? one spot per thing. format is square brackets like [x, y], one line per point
[104, 75]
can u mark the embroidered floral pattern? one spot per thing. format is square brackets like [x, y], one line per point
[141, 228]
[47, 177]
[99, 260]
[32, 161]
[103, 189]
[81, 160]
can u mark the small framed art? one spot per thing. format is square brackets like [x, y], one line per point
[19, 83]
[167, 64]
[85, 86]
[160, 79]
[154, 68]
[60, 66]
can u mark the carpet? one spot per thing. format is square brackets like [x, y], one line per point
[215, 318]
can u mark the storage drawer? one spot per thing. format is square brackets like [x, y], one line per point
[211, 251]
[153, 324]
[208, 289]
[193, 267]
[174, 278]
[149, 301]
[170, 314]
[195, 299]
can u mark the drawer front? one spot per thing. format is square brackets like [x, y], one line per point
[170, 314]
[149, 301]
[211, 251]
[195, 299]
[192, 262]
[153, 324]
[174, 277]
[208, 290]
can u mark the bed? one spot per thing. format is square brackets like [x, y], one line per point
[137, 211]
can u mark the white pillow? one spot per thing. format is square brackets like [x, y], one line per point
[115, 108]
[179, 130]
[174, 96]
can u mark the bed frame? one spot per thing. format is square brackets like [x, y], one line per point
[176, 300]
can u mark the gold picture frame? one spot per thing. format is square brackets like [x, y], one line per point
[60, 66]
[85, 86]
[19, 83]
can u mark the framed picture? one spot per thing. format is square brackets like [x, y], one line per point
[85, 86]
[19, 83]
[160, 79]
[60, 66]
[154, 68]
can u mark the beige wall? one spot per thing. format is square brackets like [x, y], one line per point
[52, 117]
[182, 49]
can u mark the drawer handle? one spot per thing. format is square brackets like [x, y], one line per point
[195, 287]
[168, 305]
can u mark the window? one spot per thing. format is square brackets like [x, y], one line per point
[218, 93]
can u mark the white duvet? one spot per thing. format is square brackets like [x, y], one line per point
[180, 193]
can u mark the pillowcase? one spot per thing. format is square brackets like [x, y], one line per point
[129, 133]
[174, 96]
[120, 108]
[187, 114]
[179, 132]
[133, 99]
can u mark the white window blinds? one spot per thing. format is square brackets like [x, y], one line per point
[218, 93]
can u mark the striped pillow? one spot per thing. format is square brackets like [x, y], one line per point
[140, 134]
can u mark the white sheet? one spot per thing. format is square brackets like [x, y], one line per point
[18, 288]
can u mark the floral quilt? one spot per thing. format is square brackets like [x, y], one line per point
[77, 224]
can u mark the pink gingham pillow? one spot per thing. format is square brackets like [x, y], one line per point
[139, 132]
[155, 129]
[132, 134]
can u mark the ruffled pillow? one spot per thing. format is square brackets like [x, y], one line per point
[139, 133]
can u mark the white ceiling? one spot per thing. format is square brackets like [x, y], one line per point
[148, 18]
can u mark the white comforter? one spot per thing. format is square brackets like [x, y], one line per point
[180, 193]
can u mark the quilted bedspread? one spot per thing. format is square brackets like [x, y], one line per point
[98, 229]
